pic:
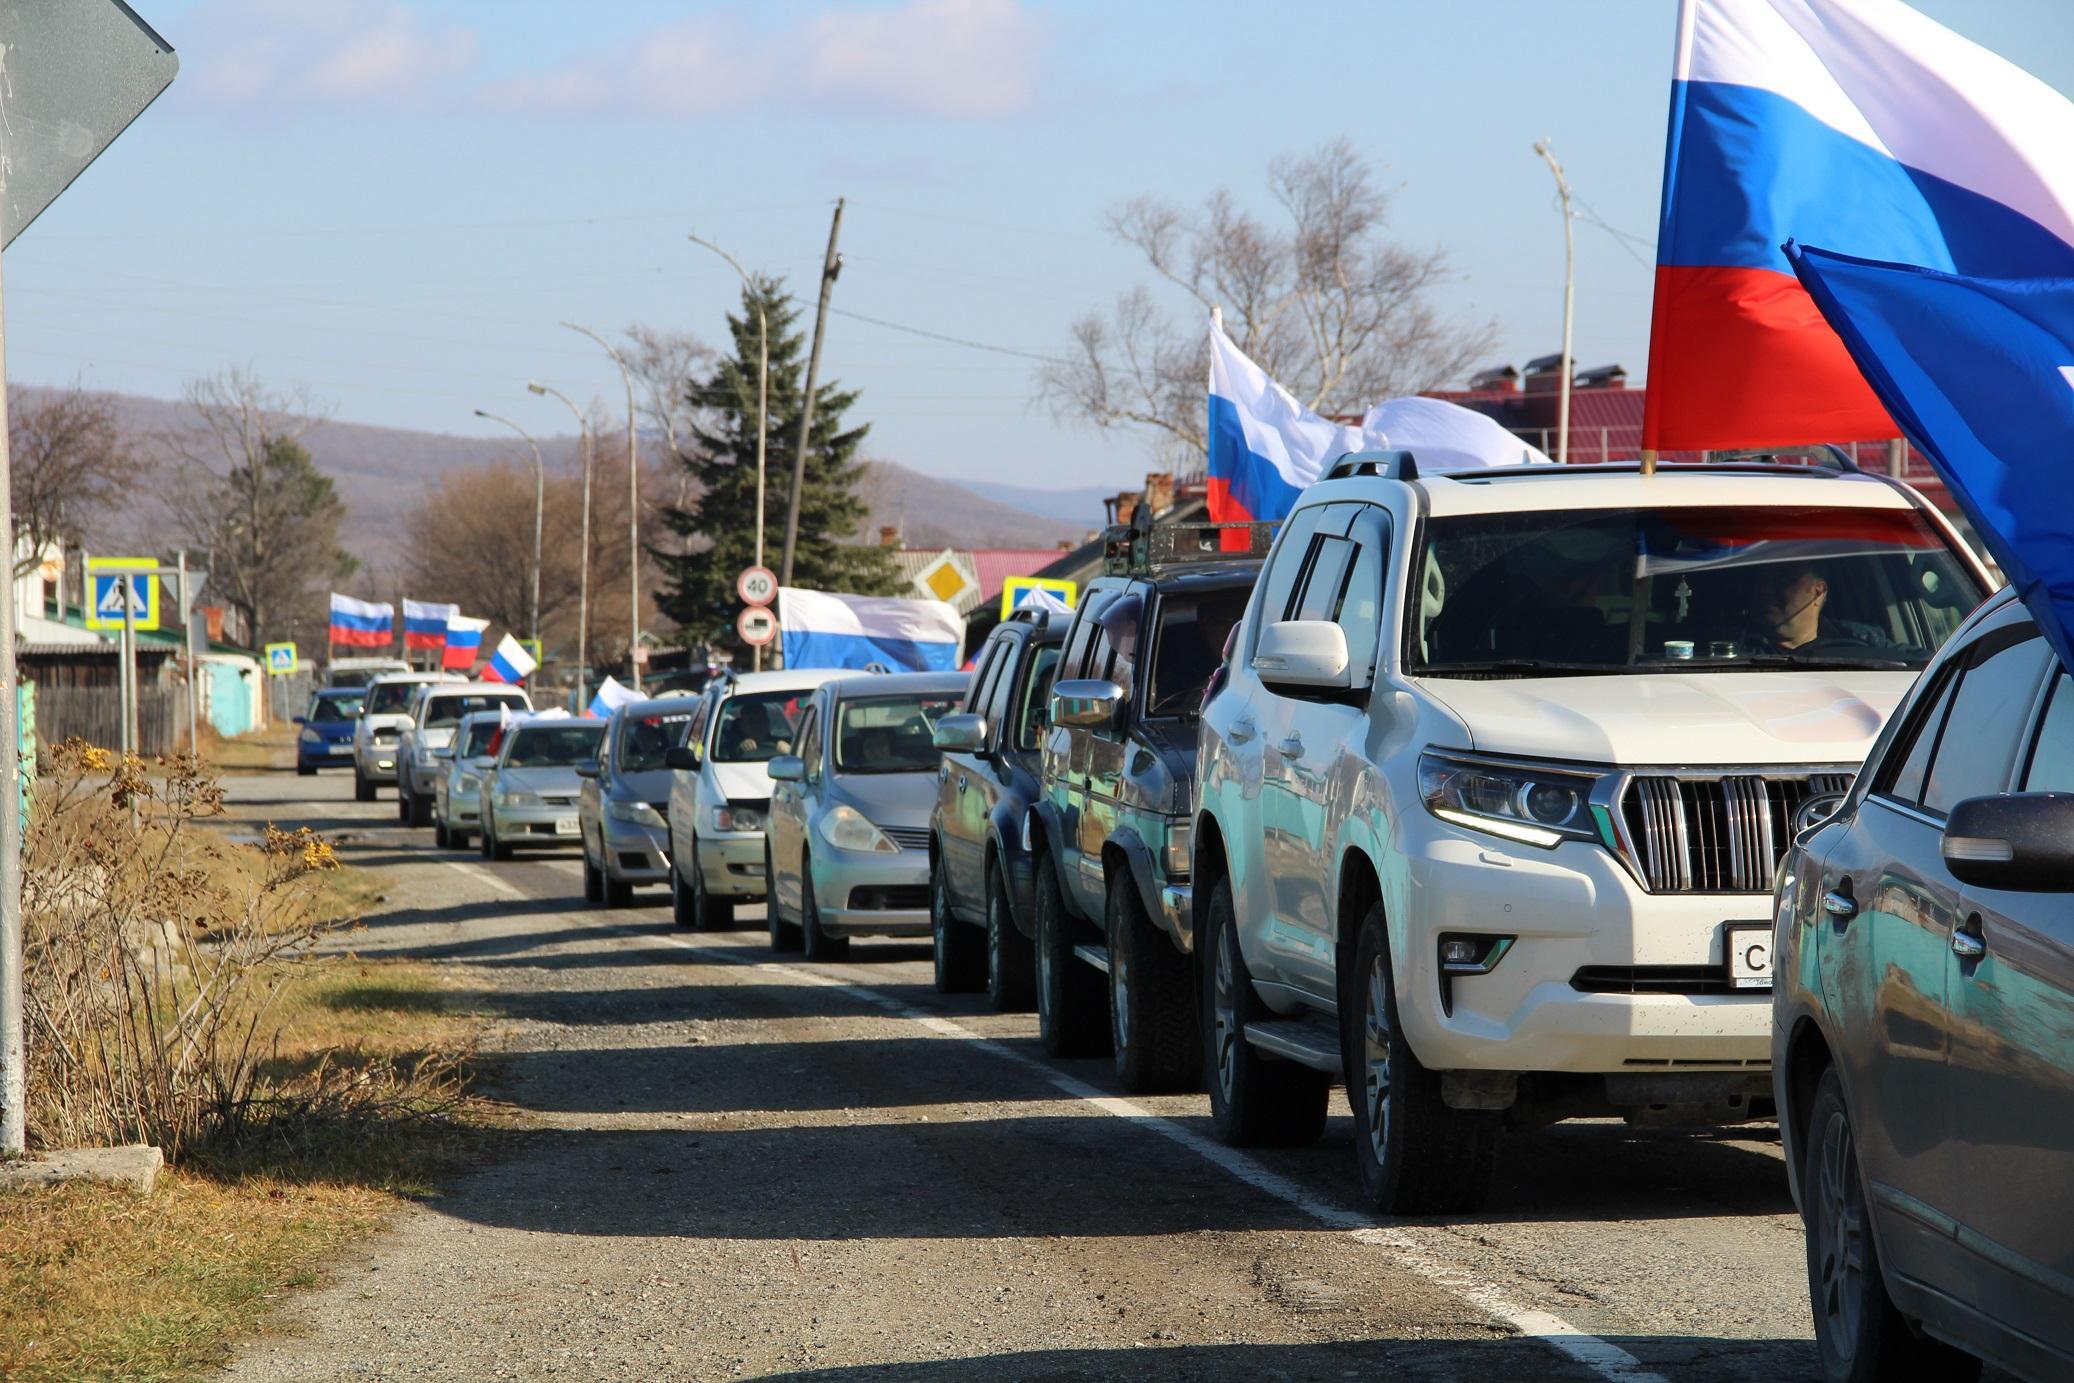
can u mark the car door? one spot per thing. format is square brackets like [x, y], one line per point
[1891, 907]
[787, 821]
[1067, 747]
[990, 774]
[2012, 1061]
[962, 828]
[591, 795]
[1113, 659]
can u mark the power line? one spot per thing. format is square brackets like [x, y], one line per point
[942, 336]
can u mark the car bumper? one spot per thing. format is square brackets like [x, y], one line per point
[376, 763]
[542, 826]
[857, 894]
[323, 755]
[636, 854]
[732, 864]
[1569, 908]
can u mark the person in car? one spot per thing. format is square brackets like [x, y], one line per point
[1788, 604]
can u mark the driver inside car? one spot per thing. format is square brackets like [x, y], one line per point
[1788, 607]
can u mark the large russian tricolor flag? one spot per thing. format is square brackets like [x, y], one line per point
[1857, 125]
[424, 623]
[463, 642]
[361, 623]
[871, 633]
[510, 663]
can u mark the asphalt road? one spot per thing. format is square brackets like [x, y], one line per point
[736, 1166]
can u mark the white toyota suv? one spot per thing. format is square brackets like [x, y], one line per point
[1489, 805]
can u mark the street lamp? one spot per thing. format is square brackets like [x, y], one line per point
[539, 509]
[633, 511]
[583, 580]
[763, 397]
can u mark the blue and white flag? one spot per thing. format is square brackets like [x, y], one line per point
[425, 621]
[1980, 374]
[611, 696]
[871, 633]
[510, 663]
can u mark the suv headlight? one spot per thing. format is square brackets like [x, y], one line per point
[846, 828]
[1534, 806]
[732, 818]
[638, 813]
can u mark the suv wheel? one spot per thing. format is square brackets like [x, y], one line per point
[1859, 1335]
[403, 811]
[1255, 1100]
[1152, 1013]
[1072, 1001]
[817, 944]
[1416, 1155]
[363, 791]
[784, 935]
[1011, 963]
[959, 954]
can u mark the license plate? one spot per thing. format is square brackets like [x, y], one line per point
[566, 826]
[341, 748]
[1749, 948]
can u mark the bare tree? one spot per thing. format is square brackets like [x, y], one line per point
[670, 367]
[1329, 307]
[72, 466]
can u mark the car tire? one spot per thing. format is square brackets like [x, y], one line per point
[1256, 1100]
[960, 949]
[363, 791]
[439, 833]
[1416, 1156]
[418, 811]
[1859, 1334]
[305, 771]
[1011, 962]
[784, 935]
[493, 848]
[402, 802]
[1072, 1000]
[682, 911]
[457, 839]
[593, 883]
[817, 944]
[1152, 1000]
[618, 893]
[710, 914]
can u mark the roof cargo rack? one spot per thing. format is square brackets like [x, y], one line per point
[1128, 550]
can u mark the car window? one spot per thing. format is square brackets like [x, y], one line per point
[1911, 761]
[553, 746]
[991, 663]
[448, 710]
[889, 734]
[335, 705]
[474, 739]
[1327, 577]
[756, 727]
[1977, 751]
[390, 698]
[1001, 695]
[2052, 754]
[1360, 612]
[1192, 631]
[644, 739]
[1287, 562]
[1082, 636]
[1037, 698]
[810, 742]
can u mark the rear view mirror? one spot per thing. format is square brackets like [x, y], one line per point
[1816, 810]
[1085, 702]
[682, 757]
[302, 720]
[787, 768]
[1303, 653]
[2023, 842]
[587, 770]
[961, 734]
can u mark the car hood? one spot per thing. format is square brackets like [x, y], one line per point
[435, 737]
[889, 799]
[1678, 718]
[562, 782]
[651, 785]
[372, 723]
[332, 729]
[741, 782]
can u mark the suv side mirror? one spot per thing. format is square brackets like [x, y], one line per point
[1816, 810]
[787, 768]
[2021, 841]
[1086, 702]
[1303, 653]
[682, 757]
[961, 733]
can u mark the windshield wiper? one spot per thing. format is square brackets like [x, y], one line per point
[1819, 662]
[1536, 665]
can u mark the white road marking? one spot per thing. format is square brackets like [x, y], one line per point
[1602, 1357]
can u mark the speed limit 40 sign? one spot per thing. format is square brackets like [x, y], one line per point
[757, 626]
[757, 586]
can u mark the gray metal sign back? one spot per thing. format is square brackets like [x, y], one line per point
[73, 75]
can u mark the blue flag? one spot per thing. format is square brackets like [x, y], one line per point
[1980, 374]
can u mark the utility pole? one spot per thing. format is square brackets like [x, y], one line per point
[1546, 149]
[583, 579]
[539, 513]
[830, 267]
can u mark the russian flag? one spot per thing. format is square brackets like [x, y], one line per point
[611, 696]
[424, 623]
[868, 632]
[463, 642]
[510, 663]
[361, 623]
[1857, 125]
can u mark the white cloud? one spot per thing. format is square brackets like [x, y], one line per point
[923, 57]
[278, 55]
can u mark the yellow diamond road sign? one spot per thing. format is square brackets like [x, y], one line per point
[946, 579]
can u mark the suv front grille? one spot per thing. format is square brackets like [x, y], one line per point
[1716, 833]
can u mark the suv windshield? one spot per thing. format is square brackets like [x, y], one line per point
[643, 740]
[553, 746]
[448, 710]
[756, 727]
[890, 734]
[339, 705]
[391, 698]
[1192, 631]
[1650, 590]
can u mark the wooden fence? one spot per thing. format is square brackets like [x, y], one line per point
[94, 714]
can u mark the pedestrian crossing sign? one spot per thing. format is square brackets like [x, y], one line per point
[104, 590]
[280, 659]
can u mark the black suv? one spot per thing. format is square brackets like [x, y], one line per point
[979, 857]
[1923, 1024]
[1110, 830]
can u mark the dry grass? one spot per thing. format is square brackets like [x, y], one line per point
[273, 747]
[96, 1282]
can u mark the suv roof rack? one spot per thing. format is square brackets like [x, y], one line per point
[1397, 464]
[1128, 550]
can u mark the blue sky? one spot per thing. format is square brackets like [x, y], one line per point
[395, 202]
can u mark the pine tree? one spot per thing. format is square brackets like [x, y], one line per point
[720, 456]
